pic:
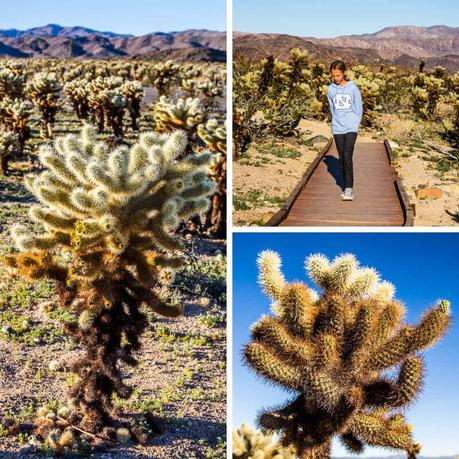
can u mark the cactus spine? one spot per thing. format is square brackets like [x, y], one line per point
[331, 352]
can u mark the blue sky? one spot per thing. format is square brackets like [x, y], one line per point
[423, 266]
[325, 18]
[136, 17]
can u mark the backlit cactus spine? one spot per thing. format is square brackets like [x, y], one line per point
[44, 90]
[250, 444]
[213, 134]
[108, 218]
[185, 114]
[333, 353]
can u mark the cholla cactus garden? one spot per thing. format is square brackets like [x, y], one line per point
[108, 219]
[333, 352]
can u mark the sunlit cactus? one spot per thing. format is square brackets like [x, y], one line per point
[420, 100]
[7, 141]
[133, 92]
[108, 218]
[185, 114]
[16, 114]
[108, 103]
[164, 75]
[11, 84]
[213, 134]
[250, 444]
[77, 93]
[333, 352]
[44, 90]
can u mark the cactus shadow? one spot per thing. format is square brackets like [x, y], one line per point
[335, 170]
[454, 215]
[14, 192]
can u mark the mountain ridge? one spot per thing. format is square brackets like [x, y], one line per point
[403, 45]
[56, 41]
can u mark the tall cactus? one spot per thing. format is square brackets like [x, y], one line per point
[250, 444]
[108, 218]
[133, 92]
[7, 141]
[213, 134]
[16, 114]
[11, 84]
[334, 351]
[77, 92]
[44, 90]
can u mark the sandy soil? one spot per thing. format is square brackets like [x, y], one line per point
[414, 169]
[274, 176]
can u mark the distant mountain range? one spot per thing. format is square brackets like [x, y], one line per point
[78, 42]
[403, 45]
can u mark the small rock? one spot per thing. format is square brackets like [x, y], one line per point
[204, 302]
[6, 329]
[453, 188]
[266, 217]
[54, 365]
[429, 193]
[393, 144]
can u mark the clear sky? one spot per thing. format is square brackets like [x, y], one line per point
[326, 18]
[135, 17]
[423, 267]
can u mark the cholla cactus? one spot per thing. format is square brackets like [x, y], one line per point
[77, 92]
[108, 219]
[213, 134]
[44, 91]
[7, 141]
[334, 351]
[164, 75]
[16, 114]
[133, 92]
[185, 114]
[250, 444]
[108, 103]
[420, 99]
[11, 84]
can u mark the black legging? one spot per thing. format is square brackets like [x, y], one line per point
[345, 146]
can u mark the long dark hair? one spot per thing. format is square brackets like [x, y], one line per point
[340, 65]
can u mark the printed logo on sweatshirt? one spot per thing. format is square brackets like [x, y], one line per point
[342, 101]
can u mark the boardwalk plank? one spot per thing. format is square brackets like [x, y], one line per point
[376, 202]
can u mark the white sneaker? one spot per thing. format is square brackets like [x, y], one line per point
[347, 195]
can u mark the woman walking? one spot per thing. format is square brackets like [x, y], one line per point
[346, 111]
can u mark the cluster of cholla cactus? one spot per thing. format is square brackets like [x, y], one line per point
[250, 444]
[133, 92]
[334, 351]
[426, 92]
[44, 90]
[185, 114]
[213, 134]
[16, 114]
[76, 91]
[7, 141]
[163, 75]
[108, 103]
[108, 218]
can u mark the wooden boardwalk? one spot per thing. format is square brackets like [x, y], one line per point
[379, 197]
